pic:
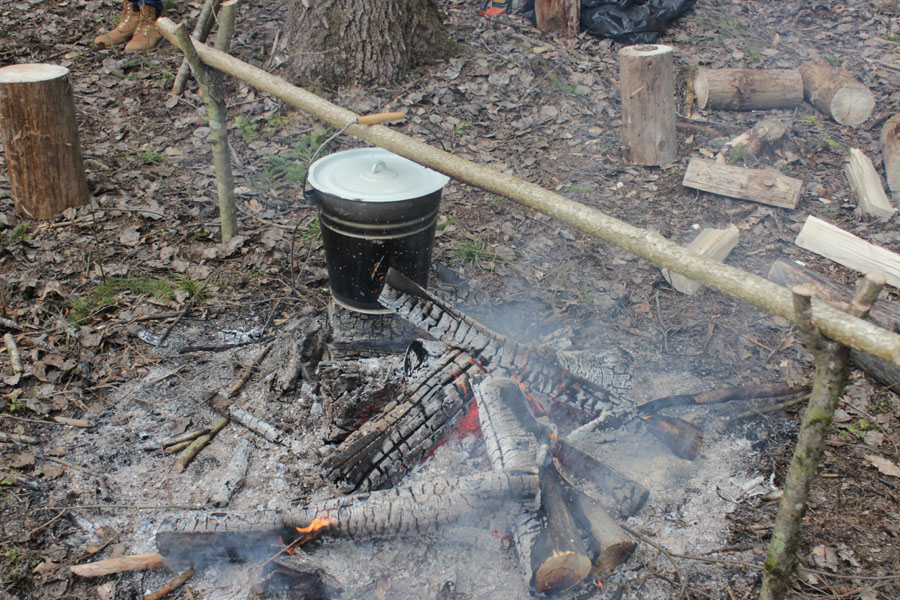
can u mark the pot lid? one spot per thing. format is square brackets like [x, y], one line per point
[373, 175]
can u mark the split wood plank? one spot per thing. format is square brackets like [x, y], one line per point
[864, 180]
[711, 243]
[757, 185]
[137, 562]
[846, 249]
[748, 89]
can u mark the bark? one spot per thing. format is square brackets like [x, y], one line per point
[40, 136]
[836, 94]
[645, 244]
[356, 42]
[558, 15]
[647, 78]
[832, 361]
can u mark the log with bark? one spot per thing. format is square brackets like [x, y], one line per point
[748, 89]
[836, 93]
[559, 16]
[40, 137]
[647, 79]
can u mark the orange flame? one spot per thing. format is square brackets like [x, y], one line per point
[310, 532]
[599, 583]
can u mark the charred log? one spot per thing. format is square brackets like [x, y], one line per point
[407, 510]
[538, 368]
[384, 448]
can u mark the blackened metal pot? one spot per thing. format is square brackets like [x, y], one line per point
[376, 210]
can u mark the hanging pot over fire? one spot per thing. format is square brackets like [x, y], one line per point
[376, 210]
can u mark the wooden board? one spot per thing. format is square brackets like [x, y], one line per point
[765, 187]
[866, 183]
[846, 249]
[711, 243]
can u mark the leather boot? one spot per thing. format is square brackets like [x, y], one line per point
[122, 32]
[147, 35]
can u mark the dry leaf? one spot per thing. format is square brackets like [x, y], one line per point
[884, 466]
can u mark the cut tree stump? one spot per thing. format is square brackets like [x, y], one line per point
[43, 155]
[844, 248]
[712, 243]
[866, 183]
[758, 185]
[647, 79]
[836, 94]
[560, 16]
[748, 89]
[890, 151]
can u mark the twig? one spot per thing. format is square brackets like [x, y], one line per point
[770, 408]
[669, 555]
[17, 438]
[745, 392]
[185, 437]
[15, 359]
[185, 458]
[171, 586]
[73, 422]
[248, 373]
[125, 507]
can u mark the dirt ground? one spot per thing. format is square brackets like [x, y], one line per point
[75, 292]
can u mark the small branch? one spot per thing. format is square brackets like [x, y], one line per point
[137, 562]
[770, 408]
[185, 458]
[201, 32]
[171, 586]
[15, 359]
[248, 373]
[270, 432]
[16, 438]
[73, 422]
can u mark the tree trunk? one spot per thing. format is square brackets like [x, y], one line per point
[37, 123]
[356, 42]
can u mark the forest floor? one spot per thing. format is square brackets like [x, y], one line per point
[73, 290]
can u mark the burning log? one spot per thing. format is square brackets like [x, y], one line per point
[384, 448]
[407, 510]
[538, 368]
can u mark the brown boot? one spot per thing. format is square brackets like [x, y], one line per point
[122, 32]
[147, 35]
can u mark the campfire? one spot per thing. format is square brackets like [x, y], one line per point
[529, 403]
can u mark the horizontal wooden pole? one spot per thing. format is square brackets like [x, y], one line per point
[649, 245]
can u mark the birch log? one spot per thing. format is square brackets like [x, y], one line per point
[40, 135]
[748, 89]
[836, 94]
[647, 79]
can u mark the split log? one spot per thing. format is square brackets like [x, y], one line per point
[401, 511]
[866, 183]
[640, 242]
[890, 151]
[386, 447]
[611, 545]
[536, 367]
[233, 477]
[137, 562]
[560, 16]
[836, 94]
[885, 313]
[647, 79]
[844, 248]
[760, 139]
[763, 186]
[748, 89]
[40, 135]
[716, 244]
[682, 437]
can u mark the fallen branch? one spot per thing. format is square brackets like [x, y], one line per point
[270, 432]
[137, 562]
[15, 359]
[744, 392]
[649, 245]
[73, 422]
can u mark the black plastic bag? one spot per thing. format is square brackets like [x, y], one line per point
[625, 21]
